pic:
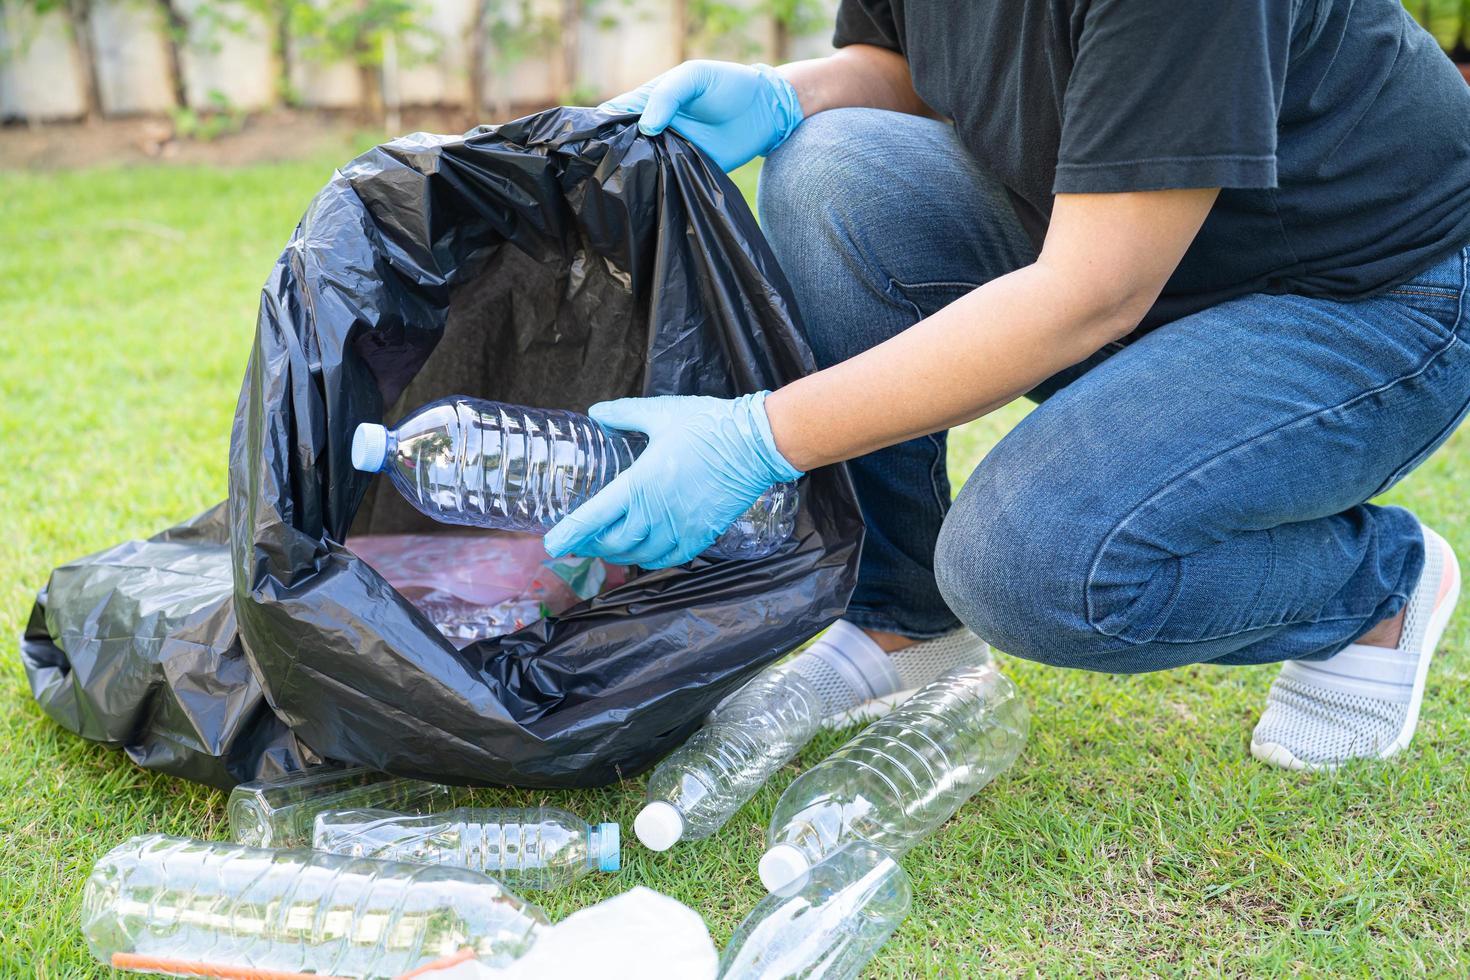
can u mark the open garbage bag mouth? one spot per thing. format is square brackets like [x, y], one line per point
[555, 261]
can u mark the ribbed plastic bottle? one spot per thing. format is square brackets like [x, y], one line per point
[201, 908]
[488, 464]
[279, 812]
[539, 847]
[830, 927]
[902, 776]
[700, 785]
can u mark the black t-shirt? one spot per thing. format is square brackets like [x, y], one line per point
[1339, 132]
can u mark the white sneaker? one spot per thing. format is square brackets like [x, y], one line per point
[859, 682]
[1361, 703]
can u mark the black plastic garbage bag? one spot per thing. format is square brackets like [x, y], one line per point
[556, 260]
[136, 647]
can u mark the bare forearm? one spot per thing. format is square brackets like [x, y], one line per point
[1105, 260]
[977, 354]
[858, 75]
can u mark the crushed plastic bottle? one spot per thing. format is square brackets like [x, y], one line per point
[488, 464]
[202, 908]
[279, 812]
[830, 927]
[902, 776]
[541, 847]
[700, 785]
[463, 623]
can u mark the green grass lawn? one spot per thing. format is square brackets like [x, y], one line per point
[1135, 835]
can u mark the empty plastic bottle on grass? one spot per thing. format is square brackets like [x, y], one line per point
[487, 464]
[279, 812]
[540, 847]
[902, 776]
[830, 927]
[198, 908]
[701, 784]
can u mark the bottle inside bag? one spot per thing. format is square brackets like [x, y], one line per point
[488, 464]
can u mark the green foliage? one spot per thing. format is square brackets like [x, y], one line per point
[1444, 22]
[722, 26]
[21, 32]
[516, 30]
[582, 93]
[799, 16]
[1448, 21]
[736, 30]
[212, 19]
[221, 118]
[354, 30]
[41, 7]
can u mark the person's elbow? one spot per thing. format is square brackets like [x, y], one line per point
[1101, 305]
[1119, 309]
[1113, 253]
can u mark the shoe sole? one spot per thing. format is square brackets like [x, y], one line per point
[1439, 620]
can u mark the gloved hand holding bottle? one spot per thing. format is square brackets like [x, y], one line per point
[732, 112]
[707, 461]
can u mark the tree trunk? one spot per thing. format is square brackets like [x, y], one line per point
[175, 36]
[781, 41]
[370, 93]
[681, 27]
[388, 88]
[281, 51]
[571, 43]
[475, 104]
[79, 16]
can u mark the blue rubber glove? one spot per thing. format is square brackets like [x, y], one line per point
[732, 112]
[706, 462]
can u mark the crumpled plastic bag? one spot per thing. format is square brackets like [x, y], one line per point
[638, 935]
[136, 647]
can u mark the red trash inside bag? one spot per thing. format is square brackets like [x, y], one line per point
[477, 586]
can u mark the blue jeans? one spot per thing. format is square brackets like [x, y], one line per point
[1195, 496]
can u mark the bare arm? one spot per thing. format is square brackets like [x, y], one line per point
[857, 75]
[1105, 261]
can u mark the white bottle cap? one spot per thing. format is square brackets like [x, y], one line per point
[784, 869]
[369, 447]
[659, 825]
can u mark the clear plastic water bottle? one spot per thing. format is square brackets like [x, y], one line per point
[541, 847]
[700, 785]
[830, 927]
[487, 464]
[902, 776]
[279, 812]
[201, 908]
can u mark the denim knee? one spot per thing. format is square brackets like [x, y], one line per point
[1012, 562]
[827, 206]
[825, 162]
